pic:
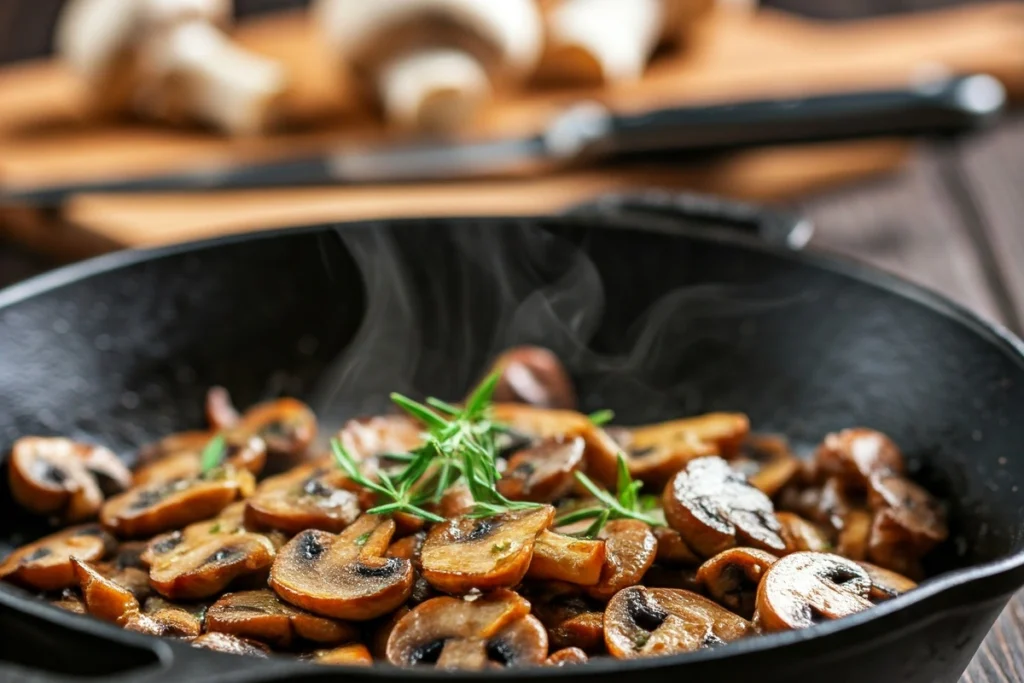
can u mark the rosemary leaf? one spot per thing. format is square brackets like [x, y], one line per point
[213, 453]
[601, 417]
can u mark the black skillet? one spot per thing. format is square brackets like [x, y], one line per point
[659, 306]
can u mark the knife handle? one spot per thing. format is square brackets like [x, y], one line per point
[935, 107]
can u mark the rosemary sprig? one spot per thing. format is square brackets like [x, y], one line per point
[626, 504]
[601, 417]
[213, 454]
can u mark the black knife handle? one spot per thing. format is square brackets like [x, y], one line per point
[934, 107]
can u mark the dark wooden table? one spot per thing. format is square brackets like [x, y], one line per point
[953, 221]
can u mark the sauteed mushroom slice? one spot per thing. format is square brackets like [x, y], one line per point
[768, 464]
[684, 578]
[731, 577]
[673, 551]
[468, 553]
[286, 425]
[175, 543]
[162, 618]
[714, 508]
[70, 601]
[804, 588]
[535, 376]
[133, 579]
[104, 598]
[908, 523]
[567, 657]
[573, 620]
[641, 622]
[544, 472]
[799, 534]
[220, 411]
[353, 654]
[855, 454]
[205, 568]
[855, 534]
[183, 461]
[458, 633]
[232, 645]
[46, 564]
[886, 584]
[152, 508]
[344, 576]
[260, 615]
[410, 548]
[55, 476]
[370, 437]
[565, 558]
[630, 548]
[307, 497]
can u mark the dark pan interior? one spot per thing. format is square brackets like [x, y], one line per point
[652, 325]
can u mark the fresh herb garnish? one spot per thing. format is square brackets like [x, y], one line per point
[363, 538]
[601, 417]
[215, 529]
[213, 454]
[626, 504]
[501, 546]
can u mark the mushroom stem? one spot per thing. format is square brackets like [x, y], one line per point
[437, 89]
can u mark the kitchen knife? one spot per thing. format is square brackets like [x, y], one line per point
[588, 133]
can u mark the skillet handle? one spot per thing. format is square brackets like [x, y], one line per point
[674, 209]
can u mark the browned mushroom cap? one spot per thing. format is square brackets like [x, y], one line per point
[714, 508]
[487, 553]
[886, 584]
[262, 616]
[799, 534]
[229, 521]
[152, 508]
[544, 472]
[232, 645]
[768, 463]
[630, 548]
[104, 598]
[673, 551]
[411, 548]
[46, 564]
[573, 620]
[353, 654]
[220, 411]
[565, 558]
[307, 497]
[855, 454]
[908, 523]
[286, 425]
[53, 476]
[533, 375]
[567, 657]
[203, 569]
[182, 459]
[804, 588]
[641, 622]
[855, 534]
[344, 576]
[369, 437]
[731, 577]
[457, 633]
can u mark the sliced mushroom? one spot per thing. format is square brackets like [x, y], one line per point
[684, 578]
[182, 457]
[714, 508]
[46, 564]
[533, 375]
[630, 548]
[456, 501]
[288, 427]
[802, 589]
[768, 464]
[232, 645]
[344, 576]
[673, 551]
[467, 553]
[411, 548]
[641, 622]
[572, 619]
[220, 411]
[855, 454]
[260, 615]
[567, 657]
[469, 634]
[70, 601]
[166, 619]
[370, 437]
[381, 631]
[229, 521]
[53, 476]
[104, 599]
[150, 509]
[353, 654]
[799, 534]
[886, 584]
[565, 558]
[731, 577]
[908, 523]
[855, 534]
[543, 473]
[133, 579]
[307, 497]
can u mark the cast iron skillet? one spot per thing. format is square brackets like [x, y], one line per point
[660, 307]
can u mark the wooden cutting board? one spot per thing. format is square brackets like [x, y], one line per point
[45, 138]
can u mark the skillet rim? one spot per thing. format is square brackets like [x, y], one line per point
[927, 598]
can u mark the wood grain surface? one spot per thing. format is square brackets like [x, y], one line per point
[953, 221]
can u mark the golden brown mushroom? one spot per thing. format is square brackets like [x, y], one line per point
[287, 426]
[567, 657]
[886, 584]
[533, 375]
[641, 622]
[369, 437]
[344, 576]
[179, 456]
[731, 577]
[768, 464]
[565, 558]
[855, 534]
[70, 601]
[572, 619]
[232, 645]
[908, 523]
[455, 633]
[260, 615]
[162, 618]
[411, 548]
[799, 534]
[104, 598]
[153, 508]
[673, 551]
[685, 578]
[353, 654]
[220, 411]
[804, 588]
[714, 508]
[855, 454]
[467, 553]
[54, 476]
[307, 497]
[630, 548]
[544, 472]
[46, 564]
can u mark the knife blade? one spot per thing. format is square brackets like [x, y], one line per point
[589, 133]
